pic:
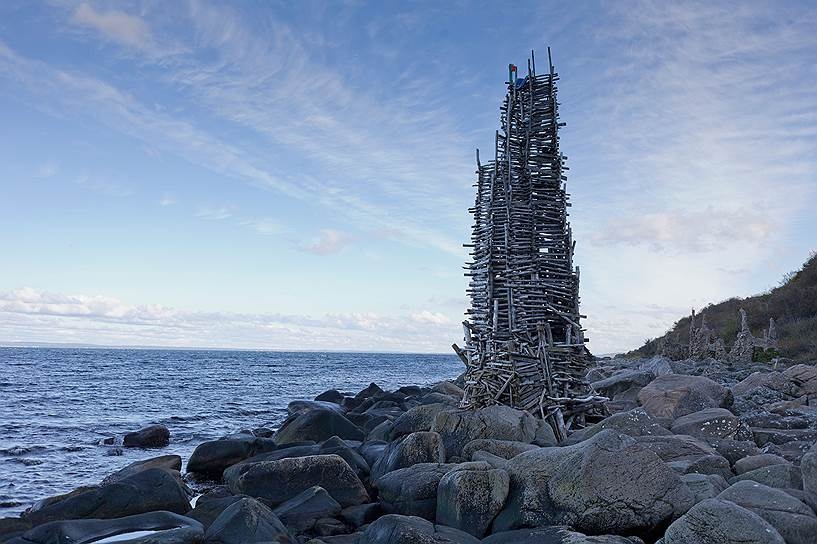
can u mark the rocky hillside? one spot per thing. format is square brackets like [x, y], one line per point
[793, 305]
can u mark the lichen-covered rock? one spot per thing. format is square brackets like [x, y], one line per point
[397, 529]
[716, 521]
[780, 476]
[419, 418]
[555, 535]
[469, 498]
[711, 425]
[795, 521]
[279, 481]
[460, 427]
[671, 396]
[419, 447]
[506, 449]
[673, 448]
[607, 485]
[302, 511]
[804, 377]
[412, 491]
[634, 422]
[247, 521]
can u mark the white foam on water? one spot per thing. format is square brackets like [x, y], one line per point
[194, 500]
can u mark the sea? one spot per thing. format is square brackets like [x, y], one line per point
[57, 405]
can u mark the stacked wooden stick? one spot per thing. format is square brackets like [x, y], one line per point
[524, 345]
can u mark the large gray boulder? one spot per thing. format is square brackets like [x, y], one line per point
[207, 511]
[279, 481]
[458, 428]
[302, 511]
[506, 449]
[808, 467]
[152, 436]
[215, 456]
[671, 396]
[247, 521]
[636, 422]
[674, 448]
[758, 461]
[795, 521]
[397, 529]
[419, 418]
[716, 521]
[172, 463]
[419, 447]
[469, 498]
[711, 425]
[607, 485]
[780, 476]
[317, 425]
[150, 490]
[82, 531]
[704, 486]
[412, 491]
[300, 406]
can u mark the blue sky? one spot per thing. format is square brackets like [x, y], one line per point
[296, 175]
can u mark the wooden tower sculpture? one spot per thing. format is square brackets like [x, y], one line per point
[524, 345]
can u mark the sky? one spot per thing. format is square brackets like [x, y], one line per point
[297, 175]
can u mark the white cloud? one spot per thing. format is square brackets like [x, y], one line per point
[215, 213]
[46, 170]
[265, 226]
[433, 318]
[329, 241]
[117, 26]
[30, 315]
[167, 200]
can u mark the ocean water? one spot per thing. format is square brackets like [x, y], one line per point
[57, 405]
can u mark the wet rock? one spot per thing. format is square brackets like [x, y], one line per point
[278, 481]
[13, 527]
[84, 531]
[397, 529]
[215, 456]
[671, 396]
[317, 426]
[458, 428]
[302, 511]
[419, 447]
[412, 491]
[206, 512]
[332, 395]
[716, 521]
[712, 425]
[780, 476]
[370, 391]
[757, 461]
[247, 521]
[146, 491]
[506, 449]
[469, 498]
[167, 462]
[300, 406]
[795, 521]
[153, 436]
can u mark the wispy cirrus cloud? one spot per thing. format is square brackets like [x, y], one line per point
[215, 213]
[329, 241]
[116, 26]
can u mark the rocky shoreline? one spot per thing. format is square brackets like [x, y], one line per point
[693, 452]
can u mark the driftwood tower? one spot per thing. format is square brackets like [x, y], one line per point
[524, 344]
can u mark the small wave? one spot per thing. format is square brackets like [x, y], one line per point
[20, 450]
[71, 449]
[25, 461]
